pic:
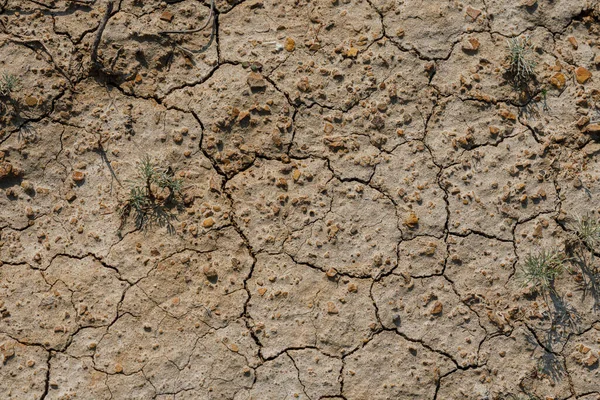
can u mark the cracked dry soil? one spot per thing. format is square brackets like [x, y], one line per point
[362, 183]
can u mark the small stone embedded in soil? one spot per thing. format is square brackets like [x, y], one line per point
[471, 44]
[166, 16]
[331, 273]
[331, 308]
[473, 13]
[437, 308]
[289, 44]
[592, 128]
[412, 220]
[558, 80]
[31, 101]
[582, 74]
[573, 42]
[70, 196]
[256, 81]
[352, 52]
[590, 361]
[78, 176]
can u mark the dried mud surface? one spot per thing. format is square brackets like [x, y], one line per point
[362, 182]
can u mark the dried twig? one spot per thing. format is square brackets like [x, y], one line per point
[212, 7]
[109, 8]
[211, 17]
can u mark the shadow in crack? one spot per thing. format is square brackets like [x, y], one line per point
[565, 318]
[552, 366]
[549, 363]
[587, 273]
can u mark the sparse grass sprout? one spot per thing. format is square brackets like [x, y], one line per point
[587, 230]
[152, 196]
[9, 84]
[540, 270]
[520, 52]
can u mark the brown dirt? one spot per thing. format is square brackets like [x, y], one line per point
[362, 184]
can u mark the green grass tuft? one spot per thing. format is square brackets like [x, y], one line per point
[152, 197]
[541, 269]
[9, 84]
[587, 230]
[521, 65]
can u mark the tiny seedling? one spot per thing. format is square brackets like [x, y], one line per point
[587, 230]
[521, 65]
[540, 270]
[544, 93]
[152, 196]
[8, 84]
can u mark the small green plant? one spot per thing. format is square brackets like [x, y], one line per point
[587, 230]
[521, 65]
[152, 197]
[541, 269]
[8, 84]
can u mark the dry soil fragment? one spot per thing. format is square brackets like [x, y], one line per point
[71, 377]
[344, 84]
[465, 385]
[276, 379]
[163, 346]
[33, 311]
[212, 280]
[218, 102]
[134, 386]
[446, 21]
[583, 53]
[320, 132]
[421, 308]
[421, 256]
[152, 67]
[512, 18]
[357, 236]
[22, 369]
[34, 73]
[221, 365]
[582, 74]
[409, 176]
[263, 30]
[411, 370]
[318, 373]
[582, 354]
[578, 178]
[480, 277]
[268, 213]
[513, 362]
[487, 187]
[95, 289]
[457, 126]
[303, 307]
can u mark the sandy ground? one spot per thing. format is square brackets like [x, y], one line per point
[362, 183]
